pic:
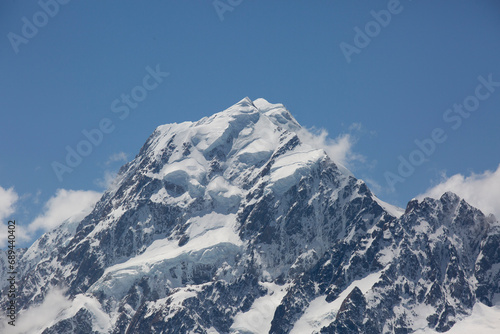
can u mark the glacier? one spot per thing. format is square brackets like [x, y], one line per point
[237, 223]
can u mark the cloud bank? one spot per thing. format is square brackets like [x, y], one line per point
[340, 149]
[37, 318]
[120, 156]
[479, 190]
[72, 205]
[8, 199]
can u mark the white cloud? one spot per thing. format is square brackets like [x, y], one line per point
[36, 200]
[355, 127]
[55, 307]
[72, 205]
[121, 156]
[479, 190]
[107, 181]
[338, 149]
[37, 318]
[8, 199]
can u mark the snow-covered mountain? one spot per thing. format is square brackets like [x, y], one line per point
[235, 224]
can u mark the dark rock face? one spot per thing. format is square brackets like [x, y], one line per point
[211, 229]
[81, 323]
[487, 275]
[350, 315]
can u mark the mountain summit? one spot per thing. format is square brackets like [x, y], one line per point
[238, 224]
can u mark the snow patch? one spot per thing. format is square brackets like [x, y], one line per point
[392, 209]
[211, 237]
[258, 319]
[288, 170]
[484, 320]
[320, 313]
[223, 192]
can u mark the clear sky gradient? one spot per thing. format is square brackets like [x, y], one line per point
[392, 86]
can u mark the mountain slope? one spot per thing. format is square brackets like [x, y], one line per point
[235, 224]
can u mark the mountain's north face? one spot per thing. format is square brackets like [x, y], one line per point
[234, 224]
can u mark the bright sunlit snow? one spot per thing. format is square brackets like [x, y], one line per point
[258, 319]
[320, 313]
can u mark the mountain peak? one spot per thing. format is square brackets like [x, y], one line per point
[234, 224]
[246, 101]
[234, 144]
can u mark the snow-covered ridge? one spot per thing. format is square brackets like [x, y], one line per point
[240, 138]
[237, 223]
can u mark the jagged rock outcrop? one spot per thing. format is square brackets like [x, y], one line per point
[237, 224]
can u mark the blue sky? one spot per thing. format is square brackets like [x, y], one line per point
[407, 70]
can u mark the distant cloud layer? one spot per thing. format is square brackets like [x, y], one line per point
[40, 316]
[120, 156]
[8, 199]
[340, 149]
[72, 205]
[479, 190]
